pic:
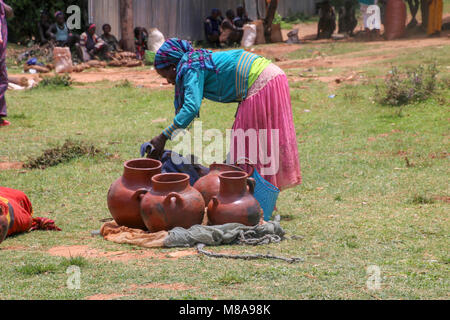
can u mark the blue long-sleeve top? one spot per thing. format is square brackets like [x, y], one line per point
[229, 84]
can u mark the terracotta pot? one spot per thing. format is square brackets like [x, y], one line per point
[235, 203]
[171, 202]
[395, 19]
[122, 204]
[209, 185]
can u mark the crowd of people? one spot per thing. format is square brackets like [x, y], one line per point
[228, 31]
[431, 22]
[88, 45]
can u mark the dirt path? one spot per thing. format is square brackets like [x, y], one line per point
[377, 51]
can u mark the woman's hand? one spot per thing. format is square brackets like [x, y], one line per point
[159, 142]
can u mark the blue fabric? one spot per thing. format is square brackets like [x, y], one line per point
[367, 2]
[185, 167]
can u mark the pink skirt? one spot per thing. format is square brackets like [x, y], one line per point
[264, 132]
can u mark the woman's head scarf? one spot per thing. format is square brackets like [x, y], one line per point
[181, 54]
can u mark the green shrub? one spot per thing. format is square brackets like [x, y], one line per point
[55, 81]
[408, 86]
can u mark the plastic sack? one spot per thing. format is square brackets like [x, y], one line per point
[155, 40]
[249, 37]
[62, 60]
[395, 19]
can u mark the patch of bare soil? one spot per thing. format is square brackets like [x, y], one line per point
[445, 199]
[102, 296]
[122, 256]
[11, 165]
[131, 289]
[13, 248]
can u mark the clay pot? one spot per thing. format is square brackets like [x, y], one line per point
[235, 203]
[395, 19]
[171, 202]
[209, 185]
[122, 203]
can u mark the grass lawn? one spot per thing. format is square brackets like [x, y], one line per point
[360, 204]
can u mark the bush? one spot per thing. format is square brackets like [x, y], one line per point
[56, 81]
[409, 86]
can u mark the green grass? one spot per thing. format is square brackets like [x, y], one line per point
[359, 205]
[328, 49]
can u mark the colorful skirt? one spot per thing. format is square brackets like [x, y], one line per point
[264, 132]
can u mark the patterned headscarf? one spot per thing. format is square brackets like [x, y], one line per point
[181, 54]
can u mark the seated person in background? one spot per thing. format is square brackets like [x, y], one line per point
[327, 21]
[212, 28]
[241, 17]
[110, 40]
[91, 45]
[347, 18]
[43, 25]
[60, 33]
[230, 33]
[16, 214]
[140, 41]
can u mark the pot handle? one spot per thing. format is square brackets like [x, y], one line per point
[215, 201]
[251, 185]
[139, 194]
[170, 196]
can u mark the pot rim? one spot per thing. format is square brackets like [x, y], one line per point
[157, 164]
[234, 175]
[183, 177]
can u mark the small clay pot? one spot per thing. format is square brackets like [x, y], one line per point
[122, 203]
[235, 202]
[209, 185]
[171, 202]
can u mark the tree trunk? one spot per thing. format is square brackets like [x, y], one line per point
[271, 9]
[126, 24]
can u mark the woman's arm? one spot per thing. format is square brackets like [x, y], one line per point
[193, 96]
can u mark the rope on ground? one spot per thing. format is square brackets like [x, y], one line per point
[250, 238]
[200, 250]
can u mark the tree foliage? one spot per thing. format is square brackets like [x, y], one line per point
[27, 14]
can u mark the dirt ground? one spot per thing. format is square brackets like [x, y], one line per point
[148, 78]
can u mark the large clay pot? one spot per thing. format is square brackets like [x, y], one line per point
[122, 203]
[235, 202]
[209, 185]
[395, 19]
[171, 202]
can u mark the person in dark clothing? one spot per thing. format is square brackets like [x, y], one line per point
[60, 33]
[327, 21]
[230, 34]
[347, 18]
[43, 25]
[140, 41]
[92, 46]
[110, 40]
[212, 28]
[241, 17]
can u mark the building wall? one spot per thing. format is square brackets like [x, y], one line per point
[182, 18]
